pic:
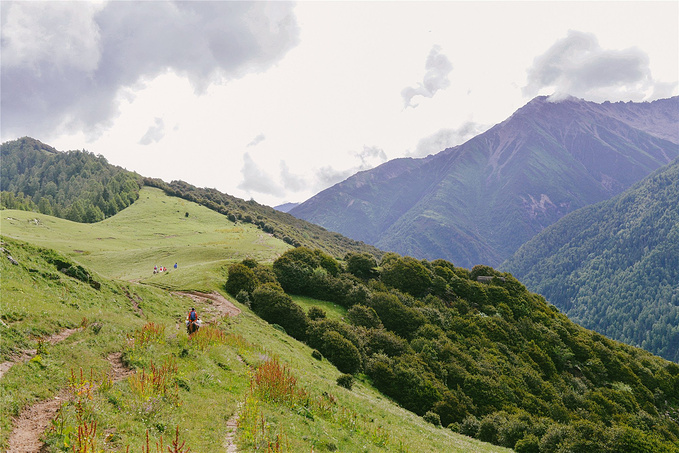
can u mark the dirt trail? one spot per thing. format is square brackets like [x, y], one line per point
[28, 354]
[216, 301]
[223, 307]
[32, 422]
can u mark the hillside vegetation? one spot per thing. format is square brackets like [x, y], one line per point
[82, 187]
[614, 266]
[171, 386]
[76, 185]
[472, 350]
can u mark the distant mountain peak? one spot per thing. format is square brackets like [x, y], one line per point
[478, 202]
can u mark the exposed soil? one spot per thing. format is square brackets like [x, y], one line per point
[135, 302]
[231, 428]
[28, 354]
[32, 422]
[118, 369]
[215, 301]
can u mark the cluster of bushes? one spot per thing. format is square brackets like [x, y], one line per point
[472, 350]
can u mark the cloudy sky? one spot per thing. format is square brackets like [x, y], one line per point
[277, 101]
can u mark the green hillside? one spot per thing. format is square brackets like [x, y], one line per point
[614, 266]
[474, 351]
[156, 230]
[82, 187]
[188, 388]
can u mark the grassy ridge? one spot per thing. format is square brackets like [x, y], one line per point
[208, 383]
[154, 231]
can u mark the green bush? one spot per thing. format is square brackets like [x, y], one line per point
[241, 278]
[529, 444]
[433, 418]
[360, 315]
[340, 352]
[277, 307]
[346, 381]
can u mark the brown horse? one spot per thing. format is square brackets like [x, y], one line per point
[192, 327]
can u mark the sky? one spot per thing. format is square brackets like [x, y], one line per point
[278, 101]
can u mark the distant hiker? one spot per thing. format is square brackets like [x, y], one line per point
[175, 265]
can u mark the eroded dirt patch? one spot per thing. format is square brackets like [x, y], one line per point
[221, 304]
[28, 354]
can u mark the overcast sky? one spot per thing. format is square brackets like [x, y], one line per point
[278, 101]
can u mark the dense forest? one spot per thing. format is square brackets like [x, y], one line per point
[614, 267]
[75, 185]
[472, 350]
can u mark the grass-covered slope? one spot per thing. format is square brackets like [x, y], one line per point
[614, 267]
[82, 187]
[199, 384]
[157, 230]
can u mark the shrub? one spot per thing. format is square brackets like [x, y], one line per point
[362, 265]
[316, 313]
[529, 444]
[241, 278]
[277, 307]
[433, 418]
[243, 297]
[360, 315]
[316, 354]
[470, 426]
[341, 352]
[346, 381]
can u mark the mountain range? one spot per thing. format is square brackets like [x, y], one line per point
[478, 202]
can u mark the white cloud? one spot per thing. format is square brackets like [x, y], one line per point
[257, 140]
[578, 66]
[292, 182]
[154, 133]
[446, 138]
[64, 63]
[256, 180]
[435, 78]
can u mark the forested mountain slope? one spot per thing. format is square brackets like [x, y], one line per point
[614, 266]
[79, 186]
[477, 203]
[75, 185]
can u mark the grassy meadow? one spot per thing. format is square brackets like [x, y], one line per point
[180, 387]
[157, 230]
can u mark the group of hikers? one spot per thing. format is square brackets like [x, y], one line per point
[158, 269]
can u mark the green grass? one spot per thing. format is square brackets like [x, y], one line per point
[154, 231]
[210, 381]
[332, 310]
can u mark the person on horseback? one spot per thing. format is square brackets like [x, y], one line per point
[192, 321]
